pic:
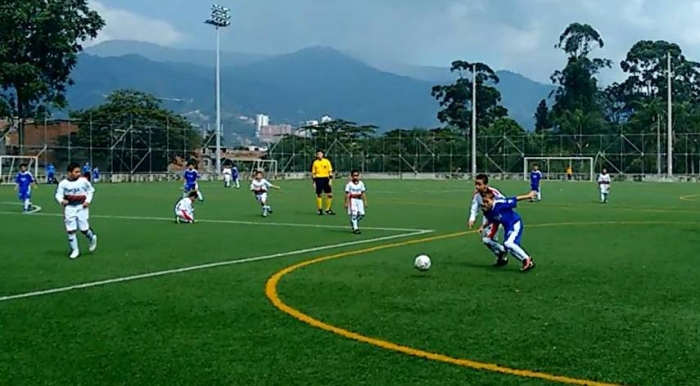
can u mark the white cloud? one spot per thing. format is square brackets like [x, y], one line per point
[126, 25]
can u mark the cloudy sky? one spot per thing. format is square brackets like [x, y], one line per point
[517, 35]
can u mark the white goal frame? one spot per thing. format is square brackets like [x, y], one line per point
[9, 167]
[545, 166]
[247, 167]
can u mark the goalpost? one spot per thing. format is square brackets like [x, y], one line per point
[553, 166]
[247, 167]
[9, 166]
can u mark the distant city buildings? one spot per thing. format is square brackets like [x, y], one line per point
[268, 133]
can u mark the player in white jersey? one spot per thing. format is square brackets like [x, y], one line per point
[259, 187]
[228, 176]
[75, 195]
[355, 200]
[489, 235]
[604, 181]
[184, 209]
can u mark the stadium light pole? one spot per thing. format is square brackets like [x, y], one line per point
[474, 121]
[669, 141]
[220, 18]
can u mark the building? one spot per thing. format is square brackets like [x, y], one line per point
[272, 133]
[38, 137]
[261, 120]
[326, 119]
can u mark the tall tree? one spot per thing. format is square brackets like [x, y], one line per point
[577, 104]
[133, 132]
[542, 117]
[455, 99]
[39, 44]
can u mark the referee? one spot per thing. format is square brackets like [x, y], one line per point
[322, 173]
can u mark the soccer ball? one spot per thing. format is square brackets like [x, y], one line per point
[422, 262]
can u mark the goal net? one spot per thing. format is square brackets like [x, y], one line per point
[554, 168]
[9, 166]
[248, 167]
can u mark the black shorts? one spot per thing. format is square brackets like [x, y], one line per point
[323, 185]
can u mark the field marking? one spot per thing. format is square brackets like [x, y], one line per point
[689, 197]
[237, 222]
[272, 293]
[36, 209]
[206, 266]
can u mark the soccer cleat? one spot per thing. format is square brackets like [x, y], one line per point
[93, 243]
[74, 254]
[320, 212]
[501, 260]
[356, 231]
[330, 212]
[528, 264]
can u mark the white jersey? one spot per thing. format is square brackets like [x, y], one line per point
[228, 172]
[604, 182]
[477, 202]
[354, 191]
[184, 205]
[75, 192]
[259, 187]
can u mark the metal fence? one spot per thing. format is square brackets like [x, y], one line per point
[119, 148]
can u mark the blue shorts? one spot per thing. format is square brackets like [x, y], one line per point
[24, 195]
[191, 187]
[514, 233]
[535, 188]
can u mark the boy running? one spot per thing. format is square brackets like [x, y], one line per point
[355, 200]
[75, 195]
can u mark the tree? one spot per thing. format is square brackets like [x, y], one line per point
[39, 43]
[132, 132]
[577, 104]
[455, 99]
[542, 118]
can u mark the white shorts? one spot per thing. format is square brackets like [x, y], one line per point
[227, 177]
[76, 218]
[262, 197]
[604, 189]
[356, 207]
[184, 215]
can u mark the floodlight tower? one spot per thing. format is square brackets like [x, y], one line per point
[220, 18]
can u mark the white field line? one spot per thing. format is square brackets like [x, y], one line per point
[36, 209]
[264, 223]
[204, 266]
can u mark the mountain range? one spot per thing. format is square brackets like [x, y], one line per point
[291, 88]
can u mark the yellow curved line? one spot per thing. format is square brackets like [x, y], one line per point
[272, 294]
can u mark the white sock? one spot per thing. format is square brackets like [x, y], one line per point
[73, 242]
[602, 197]
[199, 196]
[354, 221]
[539, 196]
[27, 204]
[238, 184]
[516, 250]
[495, 247]
[89, 234]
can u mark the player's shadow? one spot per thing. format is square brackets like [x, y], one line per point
[486, 266]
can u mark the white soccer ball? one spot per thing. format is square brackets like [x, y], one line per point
[422, 262]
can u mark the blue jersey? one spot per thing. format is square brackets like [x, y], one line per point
[86, 168]
[535, 177]
[50, 170]
[190, 177]
[503, 212]
[95, 174]
[24, 181]
[234, 173]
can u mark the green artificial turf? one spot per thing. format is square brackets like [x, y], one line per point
[613, 298]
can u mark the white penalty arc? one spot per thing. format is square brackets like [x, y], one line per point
[35, 208]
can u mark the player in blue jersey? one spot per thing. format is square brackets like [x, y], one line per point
[95, 174]
[50, 174]
[234, 174]
[535, 182]
[24, 182]
[191, 176]
[502, 211]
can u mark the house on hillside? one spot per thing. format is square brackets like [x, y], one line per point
[40, 138]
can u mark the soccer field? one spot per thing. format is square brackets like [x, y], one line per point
[297, 299]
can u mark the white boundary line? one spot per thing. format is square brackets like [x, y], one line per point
[172, 219]
[204, 266]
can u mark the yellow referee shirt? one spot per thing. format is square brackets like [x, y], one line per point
[321, 168]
